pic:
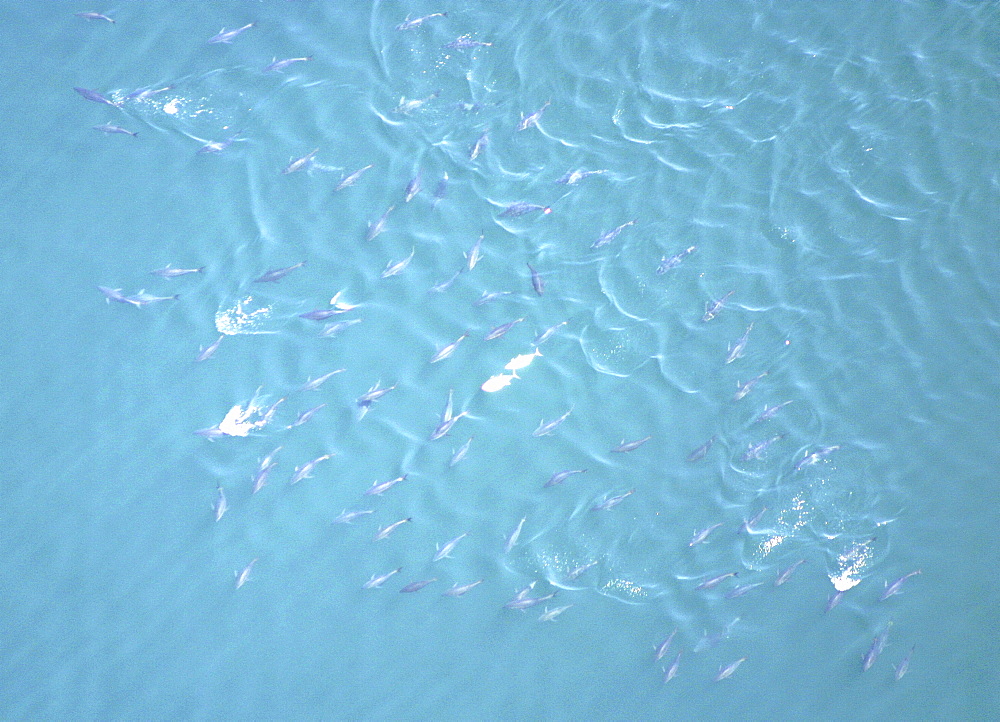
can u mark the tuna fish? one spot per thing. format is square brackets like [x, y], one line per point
[754, 451]
[894, 588]
[300, 163]
[209, 351]
[417, 586]
[577, 571]
[515, 210]
[314, 383]
[95, 97]
[713, 307]
[413, 187]
[170, 272]
[513, 537]
[667, 263]
[700, 452]
[878, 644]
[727, 671]
[278, 65]
[497, 382]
[612, 502]
[475, 255]
[663, 647]
[221, 505]
[715, 581]
[377, 488]
[385, 531]
[549, 615]
[447, 350]
[627, 446]
[770, 411]
[378, 581]
[812, 458]
[395, 268]
[500, 330]
[305, 471]
[701, 535]
[94, 16]
[545, 428]
[461, 452]
[448, 547]
[608, 236]
[547, 333]
[276, 274]
[227, 36]
[465, 42]
[745, 388]
[528, 121]
[736, 350]
[575, 176]
[374, 229]
[479, 145]
[409, 24]
[457, 591]
[560, 476]
[243, 576]
[111, 129]
[672, 672]
[353, 177]
[749, 524]
[786, 573]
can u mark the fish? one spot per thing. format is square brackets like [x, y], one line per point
[537, 282]
[516, 210]
[547, 428]
[169, 272]
[522, 360]
[94, 16]
[891, 589]
[313, 384]
[878, 644]
[243, 576]
[770, 411]
[457, 591]
[727, 671]
[115, 294]
[300, 163]
[701, 535]
[144, 93]
[221, 505]
[574, 573]
[627, 446]
[487, 297]
[741, 590]
[346, 517]
[374, 229]
[786, 573]
[464, 43]
[332, 329]
[144, 299]
[525, 591]
[834, 600]
[372, 395]
[675, 260]
[612, 502]
[226, 36]
[320, 314]
[387, 530]
[262, 475]
[276, 274]
[417, 22]
[440, 190]
[271, 410]
[269, 459]
[812, 458]
[672, 672]
[513, 536]
[378, 581]
[448, 547]
[700, 452]
[217, 146]
[736, 350]
[523, 603]
[560, 476]
[608, 236]
[416, 586]
[573, 177]
[110, 129]
[748, 524]
[710, 640]
[715, 581]
[503, 328]
[342, 306]
[378, 489]
[904, 664]
[479, 145]
[755, 450]
[663, 647]
[211, 433]
[407, 106]
[353, 177]
[712, 308]
[447, 350]
[209, 351]
[95, 97]
[304, 416]
[547, 333]
[278, 65]
[413, 187]
[497, 382]
[528, 121]
[305, 471]
[394, 269]
[745, 388]
[445, 285]
[461, 452]
[549, 615]
[445, 426]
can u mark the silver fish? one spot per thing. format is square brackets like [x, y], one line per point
[749, 524]
[445, 426]
[745, 388]
[537, 282]
[278, 65]
[276, 274]
[217, 146]
[663, 647]
[445, 285]
[786, 573]
[741, 590]
[262, 475]
[211, 433]
[576, 572]
[627, 446]
[408, 106]
[755, 450]
[608, 236]
[667, 263]
[465, 42]
[377, 489]
[169, 272]
[702, 535]
[353, 177]
[95, 97]
[502, 329]
[715, 581]
[304, 416]
[115, 294]
[313, 384]
[480, 143]
[612, 502]
[448, 547]
[560, 476]
[487, 297]
[416, 586]
[457, 591]
[891, 589]
[244, 575]
[713, 307]
[532, 120]
[462, 451]
[512, 539]
[332, 329]
[144, 93]
[547, 428]
[305, 471]
[372, 395]
[672, 672]
[209, 351]
[812, 458]
[300, 163]
[226, 36]
[447, 350]
[710, 640]
[878, 644]
[547, 333]
[110, 129]
[440, 190]
[523, 603]
[834, 600]
[378, 581]
[515, 210]
[413, 187]
[770, 411]
[93, 16]
[575, 176]
[737, 349]
[904, 664]
[475, 255]
[549, 615]
[387, 530]
[394, 269]
[221, 505]
[144, 299]
[378, 226]
[700, 452]
[727, 671]
[416, 22]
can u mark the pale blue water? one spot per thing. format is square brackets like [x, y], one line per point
[834, 165]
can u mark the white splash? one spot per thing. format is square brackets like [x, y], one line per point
[237, 320]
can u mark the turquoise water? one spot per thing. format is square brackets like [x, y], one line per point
[834, 166]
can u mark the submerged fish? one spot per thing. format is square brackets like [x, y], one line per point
[276, 274]
[547, 333]
[447, 548]
[560, 476]
[701, 535]
[353, 177]
[612, 502]
[416, 22]
[278, 65]
[385, 531]
[770, 411]
[93, 16]
[786, 573]
[461, 452]
[575, 176]
[528, 121]
[712, 308]
[447, 350]
[547, 428]
[500, 330]
[465, 42]
[377, 488]
[627, 446]
[549, 615]
[513, 537]
[300, 163]
[243, 576]
[667, 263]
[745, 388]
[715, 581]
[95, 97]
[207, 352]
[812, 458]
[664, 646]
[537, 282]
[479, 145]
[475, 255]
[168, 272]
[700, 452]
[727, 671]
[110, 129]
[226, 36]
[378, 581]
[755, 450]
[378, 226]
[305, 471]
[608, 236]
[672, 672]
[417, 586]
[394, 269]
[736, 350]
[457, 591]
[516, 210]
[878, 644]
[894, 588]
